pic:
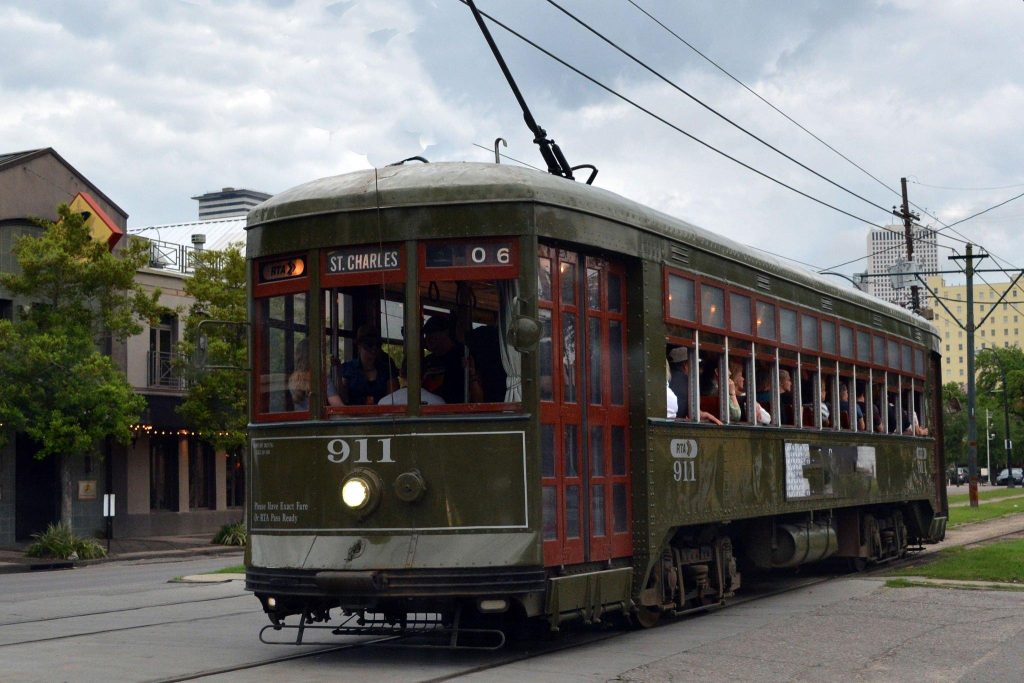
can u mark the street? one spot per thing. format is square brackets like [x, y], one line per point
[129, 622]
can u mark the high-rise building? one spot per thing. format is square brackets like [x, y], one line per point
[1003, 328]
[889, 246]
[228, 202]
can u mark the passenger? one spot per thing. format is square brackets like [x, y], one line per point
[913, 426]
[671, 401]
[679, 376]
[369, 376]
[678, 372]
[400, 397]
[734, 403]
[786, 396]
[445, 362]
[738, 388]
[486, 372]
[825, 410]
[844, 406]
[862, 410]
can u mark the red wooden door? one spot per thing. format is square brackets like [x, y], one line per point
[584, 414]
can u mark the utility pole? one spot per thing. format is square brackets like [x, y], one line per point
[972, 421]
[908, 230]
[988, 443]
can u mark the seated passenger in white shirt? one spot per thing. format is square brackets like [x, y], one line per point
[400, 397]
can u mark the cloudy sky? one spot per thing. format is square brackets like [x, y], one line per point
[159, 100]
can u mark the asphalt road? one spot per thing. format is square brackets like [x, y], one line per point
[130, 622]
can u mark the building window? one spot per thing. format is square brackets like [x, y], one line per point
[201, 476]
[235, 481]
[163, 472]
[162, 339]
[6, 309]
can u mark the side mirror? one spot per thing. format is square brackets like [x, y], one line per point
[523, 331]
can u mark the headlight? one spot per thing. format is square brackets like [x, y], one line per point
[355, 493]
[361, 491]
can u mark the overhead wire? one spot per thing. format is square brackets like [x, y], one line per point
[709, 108]
[671, 125]
[760, 97]
[804, 128]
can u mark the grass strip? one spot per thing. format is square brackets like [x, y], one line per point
[987, 494]
[236, 569]
[1001, 562]
[990, 510]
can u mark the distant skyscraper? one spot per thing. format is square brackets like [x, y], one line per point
[228, 202]
[886, 248]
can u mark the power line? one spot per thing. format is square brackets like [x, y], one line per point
[964, 189]
[803, 128]
[709, 107]
[671, 125]
[758, 96]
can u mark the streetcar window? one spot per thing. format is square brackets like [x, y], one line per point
[828, 337]
[364, 345]
[846, 341]
[893, 354]
[766, 320]
[879, 350]
[681, 298]
[545, 357]
[787, 324]
[908, 360]
[809, 332]
[712, 302]
[739, 313]
[283, 383]
[467, 356]
[544, 278]
[863, 347]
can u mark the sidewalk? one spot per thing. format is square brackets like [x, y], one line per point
[13, 559]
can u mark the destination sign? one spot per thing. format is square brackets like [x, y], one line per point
[362, 259]
[282, 269]
[469, 254]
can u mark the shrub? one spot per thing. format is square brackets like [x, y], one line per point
[232, 534]
[58, 542]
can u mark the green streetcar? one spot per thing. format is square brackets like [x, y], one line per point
[462, 413]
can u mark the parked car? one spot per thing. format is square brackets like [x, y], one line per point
[1018, 477]
[957, 475]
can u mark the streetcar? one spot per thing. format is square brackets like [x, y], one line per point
[485, 395]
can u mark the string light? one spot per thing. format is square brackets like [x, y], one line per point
[149, 430]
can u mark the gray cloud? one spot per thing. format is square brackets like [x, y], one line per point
[156, 102]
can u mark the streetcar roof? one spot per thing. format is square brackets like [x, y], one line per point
[446, 183]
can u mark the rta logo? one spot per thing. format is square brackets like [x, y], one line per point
[339, 450]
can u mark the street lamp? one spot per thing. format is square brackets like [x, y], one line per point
[1006, 418]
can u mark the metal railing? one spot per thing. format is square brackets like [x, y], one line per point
[163, 370]
[169, 256]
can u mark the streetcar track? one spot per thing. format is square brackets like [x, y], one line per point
[123, 609]
[133, 627]
[268, 662]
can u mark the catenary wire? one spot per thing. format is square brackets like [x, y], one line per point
[803, 128]
[709, 108]
[758, 96]
[677, 128]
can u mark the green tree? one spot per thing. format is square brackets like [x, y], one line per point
[215, 355]
[59, 388]
[954, 423]
[991, 364]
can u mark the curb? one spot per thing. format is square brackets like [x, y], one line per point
[28, 565]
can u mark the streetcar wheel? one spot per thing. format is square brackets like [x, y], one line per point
[647, 617]
[857, 565]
